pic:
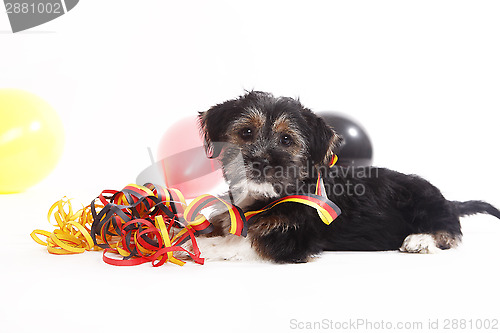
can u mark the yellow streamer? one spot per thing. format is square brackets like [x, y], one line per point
[72, 233]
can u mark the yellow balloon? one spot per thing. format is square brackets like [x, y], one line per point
[31, 140]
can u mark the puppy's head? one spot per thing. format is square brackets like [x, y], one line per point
[267, 145]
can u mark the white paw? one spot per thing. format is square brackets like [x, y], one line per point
[228, 247]
[419, 243]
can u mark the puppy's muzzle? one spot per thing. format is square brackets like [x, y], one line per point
[259, 169]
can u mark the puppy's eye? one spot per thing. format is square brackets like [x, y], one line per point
[286, 140]
[246, 134]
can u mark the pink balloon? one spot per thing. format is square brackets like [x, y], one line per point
[184, 163]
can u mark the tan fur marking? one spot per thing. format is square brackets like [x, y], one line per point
[265, 225]
[282, 124]
[253, 119]
[334, 142]
[444, 240]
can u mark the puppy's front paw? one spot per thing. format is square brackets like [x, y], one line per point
[419, 243]
[228, 247]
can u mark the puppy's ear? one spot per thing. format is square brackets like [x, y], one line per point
[323, 140]
[213, 126]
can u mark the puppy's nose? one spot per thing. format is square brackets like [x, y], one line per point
[260, 164]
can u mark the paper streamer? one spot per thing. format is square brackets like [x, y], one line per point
[151, 223]
[72, 233]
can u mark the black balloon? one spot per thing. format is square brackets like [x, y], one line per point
[356, 150]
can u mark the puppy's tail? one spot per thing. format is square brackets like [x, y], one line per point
[474, 207]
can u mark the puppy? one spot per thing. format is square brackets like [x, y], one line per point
[272, 147]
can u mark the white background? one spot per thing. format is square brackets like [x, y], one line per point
[421, 76]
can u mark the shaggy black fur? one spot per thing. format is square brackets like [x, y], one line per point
[380, 207]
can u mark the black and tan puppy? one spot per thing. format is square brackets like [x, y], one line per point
[273, 147]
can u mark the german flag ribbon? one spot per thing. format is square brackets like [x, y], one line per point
[327, 210]
[238, 222]
[333, 160]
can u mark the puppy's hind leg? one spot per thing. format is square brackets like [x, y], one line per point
[429, 243]
[433, 220]
[419, 243]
